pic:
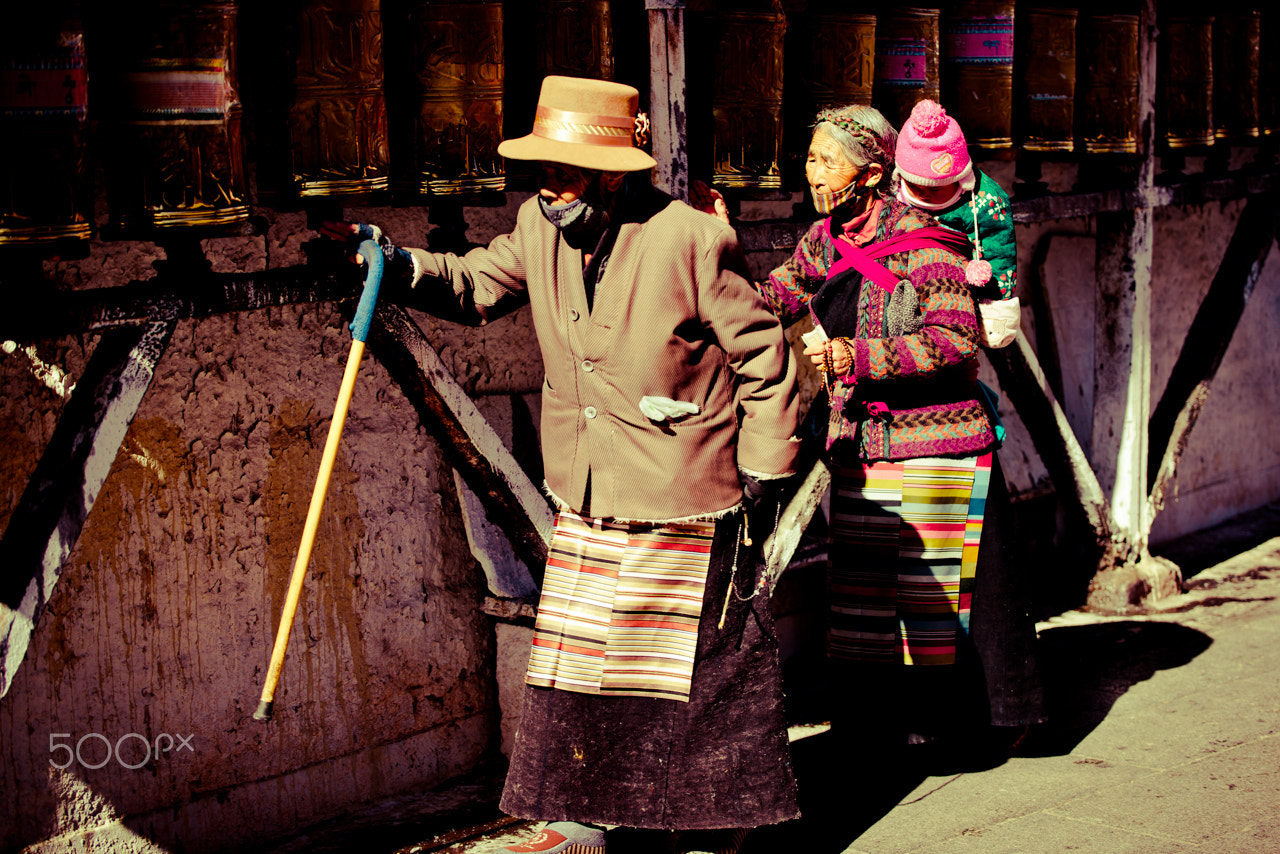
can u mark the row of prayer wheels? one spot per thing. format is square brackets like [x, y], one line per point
[1064, 79]
[156, 94]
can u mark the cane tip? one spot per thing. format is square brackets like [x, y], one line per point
[264, 711]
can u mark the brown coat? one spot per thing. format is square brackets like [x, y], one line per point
[674, 316]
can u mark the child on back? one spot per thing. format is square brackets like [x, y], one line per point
[936, 175]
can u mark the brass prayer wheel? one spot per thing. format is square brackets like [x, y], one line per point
[459, 66]
[172, 115]
[977, 62]
[907, 45]
[1269, 53]
[747, 100]
[841, 48]
[1184, 95]
[575, 38]
[44, 175]
[1236, 61]
[1045, 46]
[338, 118]
[1107, 93]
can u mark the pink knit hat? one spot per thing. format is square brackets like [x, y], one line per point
[931, 149]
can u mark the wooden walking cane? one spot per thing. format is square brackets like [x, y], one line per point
[372, 255]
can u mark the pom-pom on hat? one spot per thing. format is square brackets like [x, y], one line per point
[931, 149]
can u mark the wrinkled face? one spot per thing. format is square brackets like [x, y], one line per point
[826, 168]
[562, 183]
[932, 195]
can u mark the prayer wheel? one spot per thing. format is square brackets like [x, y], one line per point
[1236, 60]
[907, 46]
[575, 38]
[1107, 94]
[841, 48]
[1045, 45]
[460, 67]
[1269, 70]
[44, 175]
[977, 63]
[1184, 95]
[172, 115]
[747, 99]
[338, 119]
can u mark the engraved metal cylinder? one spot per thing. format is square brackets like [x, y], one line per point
[460, 72]
[173, 117]
[1045, 50]
[977, 70]
[907, 46]
[1184, 95]
[575, 38]
[841, 50]
[338, 119]
[44, 175]
[1236, 61]
[747, 100]
[1107, 93]
[1269, 70]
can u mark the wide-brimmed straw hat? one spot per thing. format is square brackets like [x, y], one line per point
[587, 123]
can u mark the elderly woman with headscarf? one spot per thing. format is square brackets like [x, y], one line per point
[911, 446]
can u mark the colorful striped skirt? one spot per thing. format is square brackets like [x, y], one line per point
[904, 551]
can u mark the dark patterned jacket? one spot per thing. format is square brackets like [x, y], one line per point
[908, 396]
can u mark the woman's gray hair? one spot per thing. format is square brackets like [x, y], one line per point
[862, 133]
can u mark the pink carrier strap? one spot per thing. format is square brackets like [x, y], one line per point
[863, 258]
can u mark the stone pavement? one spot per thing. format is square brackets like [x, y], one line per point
[1164, 738]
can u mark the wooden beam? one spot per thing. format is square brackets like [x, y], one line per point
[1022, 379]
[781, 545]
[62, 490]
[667, 96]
[48, 312]
[472, 447]
[1122, 364]
[1208, 338]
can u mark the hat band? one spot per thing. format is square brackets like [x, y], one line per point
[567, 126]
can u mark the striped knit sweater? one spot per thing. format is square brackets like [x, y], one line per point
[927, 380]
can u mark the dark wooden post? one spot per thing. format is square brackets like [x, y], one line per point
[667, 96]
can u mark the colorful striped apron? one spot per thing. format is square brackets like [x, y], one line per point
[904, 549]
[620, 607]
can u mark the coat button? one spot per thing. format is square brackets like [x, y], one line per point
[573, 314]
[588, 366]
[590, 412]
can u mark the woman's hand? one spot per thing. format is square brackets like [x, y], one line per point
[709, 200]
[840, 354]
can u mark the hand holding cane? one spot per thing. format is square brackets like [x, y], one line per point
[373, 259]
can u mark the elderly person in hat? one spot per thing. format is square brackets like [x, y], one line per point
[929, 615]
[653, 695]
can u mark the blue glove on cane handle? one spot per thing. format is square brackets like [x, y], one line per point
[373, 260]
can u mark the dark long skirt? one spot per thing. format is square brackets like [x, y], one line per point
[720, 760]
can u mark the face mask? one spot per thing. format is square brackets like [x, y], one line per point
[583, 214]
[827, 202]
[905, 195]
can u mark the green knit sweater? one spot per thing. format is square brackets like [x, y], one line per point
[995, 233]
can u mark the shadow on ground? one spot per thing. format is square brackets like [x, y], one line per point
[847, 784]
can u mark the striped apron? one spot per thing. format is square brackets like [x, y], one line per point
[620, 607]
[904, 550]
